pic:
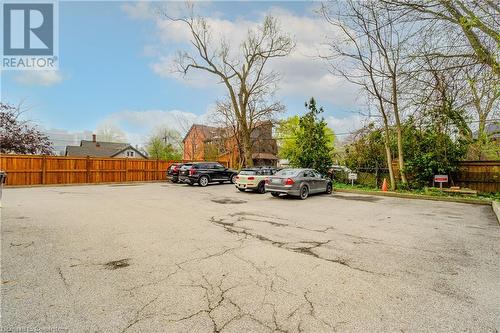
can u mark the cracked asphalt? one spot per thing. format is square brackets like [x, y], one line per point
[172, 258]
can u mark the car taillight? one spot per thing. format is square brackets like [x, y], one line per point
[289, 181]
[192, 172]
[251, 178]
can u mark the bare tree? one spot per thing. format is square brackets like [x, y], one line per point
[259, 111]
[191, 138]
[451, 87]
[370, 54]
[476, 21]
[241, 70]
[110, 132]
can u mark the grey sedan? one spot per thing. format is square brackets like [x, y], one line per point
[298, 182]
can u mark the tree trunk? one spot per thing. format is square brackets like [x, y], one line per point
[247, 148]
[395, 105]
[389, 158]
[482, 136]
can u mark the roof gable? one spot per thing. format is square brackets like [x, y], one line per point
[100, 149]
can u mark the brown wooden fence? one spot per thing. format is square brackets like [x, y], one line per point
[40, 170]
[482, 176]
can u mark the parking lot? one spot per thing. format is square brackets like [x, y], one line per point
[163, 257]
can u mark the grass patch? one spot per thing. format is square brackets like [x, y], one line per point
[426, 191]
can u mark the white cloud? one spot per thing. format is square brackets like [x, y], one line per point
[138, 125]
[39, 78]
[139, 10]
[344, 126]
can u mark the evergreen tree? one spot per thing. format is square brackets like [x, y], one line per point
[314, 145]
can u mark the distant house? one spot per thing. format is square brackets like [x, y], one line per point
[214, 143]
[96, 148]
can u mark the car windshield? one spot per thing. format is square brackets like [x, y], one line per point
[248, 172]
[288, 173]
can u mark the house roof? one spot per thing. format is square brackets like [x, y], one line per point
[99, 149]
[207, 131]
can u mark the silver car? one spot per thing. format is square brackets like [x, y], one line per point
[298, 182]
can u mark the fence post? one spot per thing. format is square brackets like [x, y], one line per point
[126, 170]
[158, 177]
[44, 169]
[88, 169]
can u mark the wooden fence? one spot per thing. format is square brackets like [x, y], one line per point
[482, 176]
[40, 170]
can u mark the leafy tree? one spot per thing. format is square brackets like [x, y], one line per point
[164, 145]
[287, 133]
[431, 151]
[20, 137]
[314, 145]
[367, 149]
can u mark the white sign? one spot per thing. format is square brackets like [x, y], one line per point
[441, 178]
[353, 176]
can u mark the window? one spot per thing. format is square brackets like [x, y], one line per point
[309, 173]
[248, 172]
[288, 173]
[316, 174]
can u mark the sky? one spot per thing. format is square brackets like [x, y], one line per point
[115, 68]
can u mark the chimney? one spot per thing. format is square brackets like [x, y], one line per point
[93, 137]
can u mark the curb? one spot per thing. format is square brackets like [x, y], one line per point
[86, 184]
[417, 196]
[496, 209]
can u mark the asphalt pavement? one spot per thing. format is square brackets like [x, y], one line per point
[172, 258]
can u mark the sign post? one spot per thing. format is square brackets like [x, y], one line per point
[352, 177]
[440, 179]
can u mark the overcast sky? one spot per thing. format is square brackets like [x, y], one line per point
[115, 67]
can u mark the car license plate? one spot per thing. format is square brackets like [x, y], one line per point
[276, 181]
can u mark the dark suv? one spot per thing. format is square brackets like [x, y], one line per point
[204, 173]
[173, 171]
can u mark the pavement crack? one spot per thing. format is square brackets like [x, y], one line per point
[63, 278]
[311, 245]
[139, 316]
[25, 245]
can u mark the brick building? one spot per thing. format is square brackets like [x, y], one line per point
[215, 143]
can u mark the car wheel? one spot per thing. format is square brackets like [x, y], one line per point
[329, 189]
[261, 188]
[304, 192]
[275, 194]
[203, 181]
[233, 179]
[241, 189]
